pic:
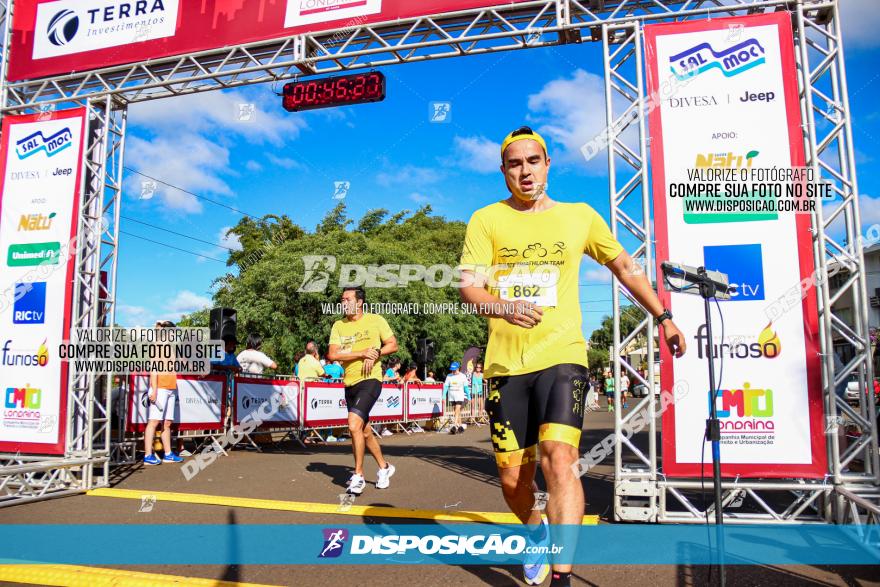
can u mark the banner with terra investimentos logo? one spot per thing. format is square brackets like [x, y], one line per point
[52, 37]
[731, 194]
[40, 162]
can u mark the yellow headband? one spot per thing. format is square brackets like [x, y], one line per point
[532, 136]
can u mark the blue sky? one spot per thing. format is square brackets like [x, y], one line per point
[393, 156]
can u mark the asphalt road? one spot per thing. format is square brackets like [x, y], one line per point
[434, 471]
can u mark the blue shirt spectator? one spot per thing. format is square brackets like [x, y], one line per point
[334, 371]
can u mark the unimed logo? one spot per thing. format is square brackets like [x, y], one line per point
[334, 542]
[33, 254]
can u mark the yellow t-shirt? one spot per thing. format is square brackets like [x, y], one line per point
[527, 250]
[358, 335]
[310, 368]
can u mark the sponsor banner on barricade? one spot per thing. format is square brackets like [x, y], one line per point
[389, 406]
[424, 401]
[40, 164]
[200, 402]
[324, 405]
[251, 393]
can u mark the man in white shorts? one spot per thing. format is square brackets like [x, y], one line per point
[160, 410]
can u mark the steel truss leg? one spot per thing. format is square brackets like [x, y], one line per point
[830, 153]
[829, 149]
[635, 496]
[86, 462]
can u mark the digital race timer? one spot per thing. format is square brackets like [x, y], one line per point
[340, 90]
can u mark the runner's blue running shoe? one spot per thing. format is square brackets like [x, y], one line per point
[172, 458]
[537, 566]
[152, 460]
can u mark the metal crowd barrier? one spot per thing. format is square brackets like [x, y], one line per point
[318, 405]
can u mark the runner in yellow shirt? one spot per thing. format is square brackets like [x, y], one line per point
[520, 267]
[357, 341]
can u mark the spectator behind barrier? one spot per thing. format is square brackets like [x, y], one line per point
[334, 371]
[252, 359]
[160, 411]
[310, 367]
[392, 374]
[411, 375]
[455, 388]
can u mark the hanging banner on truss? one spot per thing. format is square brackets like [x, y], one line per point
[724, 102]
[40, 162]
[54, 37]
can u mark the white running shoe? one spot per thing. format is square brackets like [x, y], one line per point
[387, 432]
[356, 484]
[384, 476]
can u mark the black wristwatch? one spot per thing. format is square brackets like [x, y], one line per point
[666, 315]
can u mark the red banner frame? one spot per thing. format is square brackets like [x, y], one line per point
[818, 468]
[59, 446]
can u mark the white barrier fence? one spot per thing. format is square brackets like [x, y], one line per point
[207, 408]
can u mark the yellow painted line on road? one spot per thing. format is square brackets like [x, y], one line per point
[77, 576]
[320, 508]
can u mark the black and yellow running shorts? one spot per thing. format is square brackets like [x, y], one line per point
[531, 408]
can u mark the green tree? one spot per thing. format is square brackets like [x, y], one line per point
[603, 337]
[597, 359]
[266, 289]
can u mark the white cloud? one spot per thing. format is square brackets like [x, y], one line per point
[860, 23]
[186, 302]
[408, 175]
[571, 112]
[229, 240]
[186, 141]
[477, 154]
[214, 113]
[127, 315]
[284, 162]
[419, 198]
[189, 161]
[597, 275]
